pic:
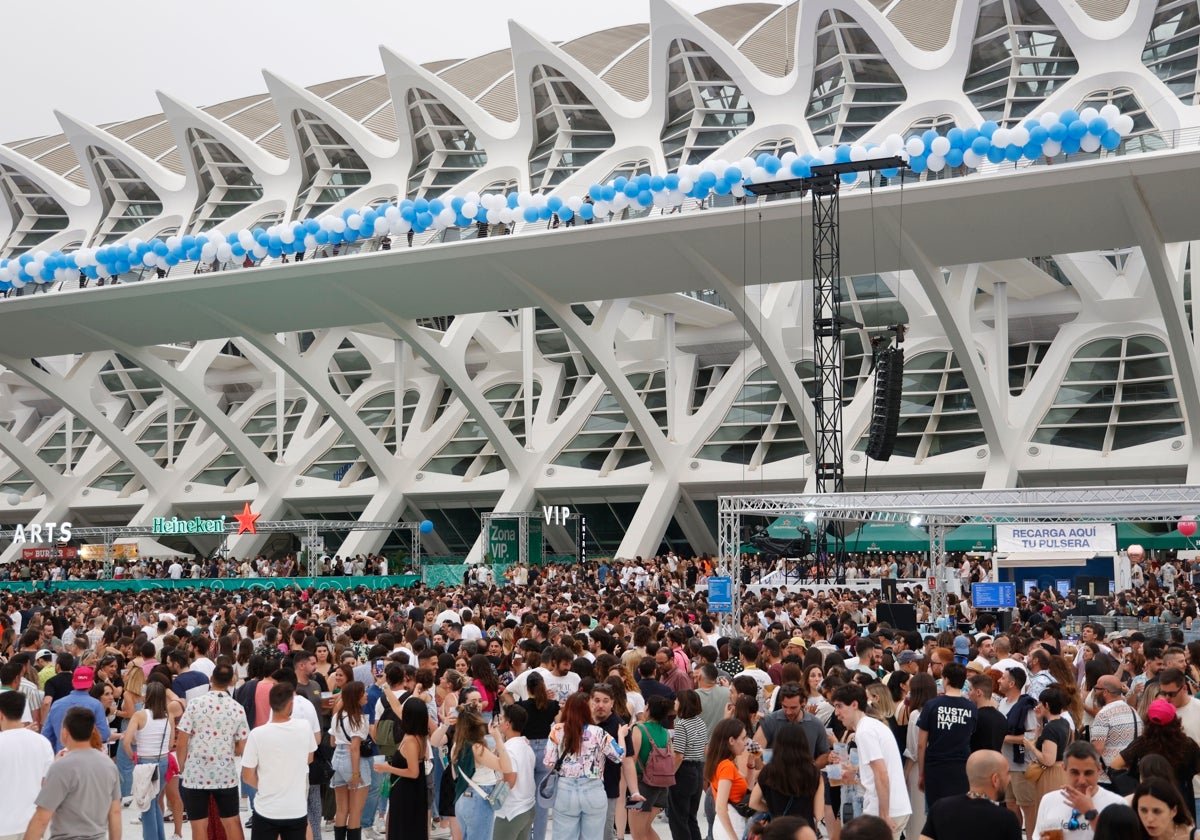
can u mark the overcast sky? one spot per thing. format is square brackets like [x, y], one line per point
[101, 61]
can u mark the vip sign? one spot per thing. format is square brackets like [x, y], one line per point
[555, 515]
[43, 533]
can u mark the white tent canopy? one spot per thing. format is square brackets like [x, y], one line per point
[147, 547]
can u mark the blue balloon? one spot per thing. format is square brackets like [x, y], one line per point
[995, 154]
[988, 128]
[26, 259]
[1038, 134]
[708, 180]
[426, 526]
[481, 214]
[1013, 153]
[1068, 116]
[566, 214]
[554, 203]
[722, 187]
[1058, 132]
[954, 158]
[160, 247]
[531, 214]
[955, 136]
[969, 135]
[657, 182]
[671, 182]
[587, 212]
[1070, 145]
[596, 191]
[435, 207]
[619, 182]
[1077, 129]
[643, 181]
[801, 168]
[645, 198]
[1032, 150]
[631, 189]
[981, 145]
[774, 164]
[421, 205]
[322, 237]
[849, 177]
[425, 219]
[609, 193]
[239, 251]
[917, 163]
[733, 175]
[512, 201]
[1110, 140]
[761, 160]
[310, 226]
[347, 212]
[409, 214]
[928, 136]
[1098, 126]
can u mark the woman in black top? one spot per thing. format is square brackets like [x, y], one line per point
[542, 710]
[1051, 742]
[790, 784]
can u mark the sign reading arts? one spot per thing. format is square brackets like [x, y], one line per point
[43, 533]
[1061, 537]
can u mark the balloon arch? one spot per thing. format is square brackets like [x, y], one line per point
[1046, 136]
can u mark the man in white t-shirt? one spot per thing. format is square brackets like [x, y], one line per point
[275, 762]
[515, 818]
[1073, 810]
[879, 763]
[175, 570]
[25, 756]
[561, 681]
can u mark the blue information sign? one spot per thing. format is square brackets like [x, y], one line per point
[720, 595]
[987, 596]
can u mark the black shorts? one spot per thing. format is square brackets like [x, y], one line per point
[195, 802]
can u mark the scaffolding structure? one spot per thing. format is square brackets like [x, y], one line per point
[943, 510]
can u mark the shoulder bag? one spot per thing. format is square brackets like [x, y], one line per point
[366, 748]
[547, 789]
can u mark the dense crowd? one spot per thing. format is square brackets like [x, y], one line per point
[587, 701]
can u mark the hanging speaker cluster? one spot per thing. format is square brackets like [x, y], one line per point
[885, 411]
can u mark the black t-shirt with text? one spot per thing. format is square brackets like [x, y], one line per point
[950, 722]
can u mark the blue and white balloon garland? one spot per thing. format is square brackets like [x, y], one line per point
[1048, 135]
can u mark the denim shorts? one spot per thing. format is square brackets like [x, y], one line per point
[342, 769]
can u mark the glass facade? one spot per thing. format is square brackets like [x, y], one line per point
[1116, 393]
[759, 427]
[705, 109]
[36, 215]
[1171, 47]
[569, 131]
[1018, 58]
[227, 186]
[854, 88]
[331, 170]
[128, 201]
[444, 150]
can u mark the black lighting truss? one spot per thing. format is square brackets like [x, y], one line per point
[828, 457]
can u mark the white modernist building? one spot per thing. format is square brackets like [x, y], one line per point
[632, 370]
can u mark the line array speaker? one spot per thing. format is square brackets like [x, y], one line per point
[885, 411]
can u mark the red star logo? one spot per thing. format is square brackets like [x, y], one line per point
[246, 520]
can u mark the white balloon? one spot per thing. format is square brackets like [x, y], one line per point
[747, 166]
[469, 209]
[1051, 148]
[574, 202]
[1088, 114]
[940, 146]
[471, 197]
[1019, 136]
[259, 251]
[148, 258]
[914, 146]
[1089, 143]
[971, 160]
[447, 217]
[354, 222]
[738, 190]
[1124, 124]
[18, 284]
[310, 242]
[173, 240]
[287, 236]
[208, 252]
[759, 174]
[382, 224]
[879, 152]
[936, 163]
[225, 252]
[524, 199]
[1110, 112]
[404, 226]
[858, 153]
[41, 254]
[339, 225]
[894, 143]
[391, 213]
[788, 157]
[827, 154]
[1048, 119]
[1001, 137]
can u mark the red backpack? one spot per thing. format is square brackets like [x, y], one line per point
[659, 770]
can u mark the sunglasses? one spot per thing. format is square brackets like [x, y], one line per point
[1165, 693]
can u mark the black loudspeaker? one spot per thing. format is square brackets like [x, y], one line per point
[899, 616]
[885, 411]
[887, 587]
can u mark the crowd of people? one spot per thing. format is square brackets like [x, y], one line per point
[588, 703]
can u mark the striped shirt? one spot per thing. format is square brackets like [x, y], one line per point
[690, 738]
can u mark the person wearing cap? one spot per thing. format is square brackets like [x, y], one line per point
[1115, 726]
[907, 661]
[81, 683]
[1164, 736]
[44, 664]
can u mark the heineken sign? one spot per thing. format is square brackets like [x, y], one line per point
[195, 525]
